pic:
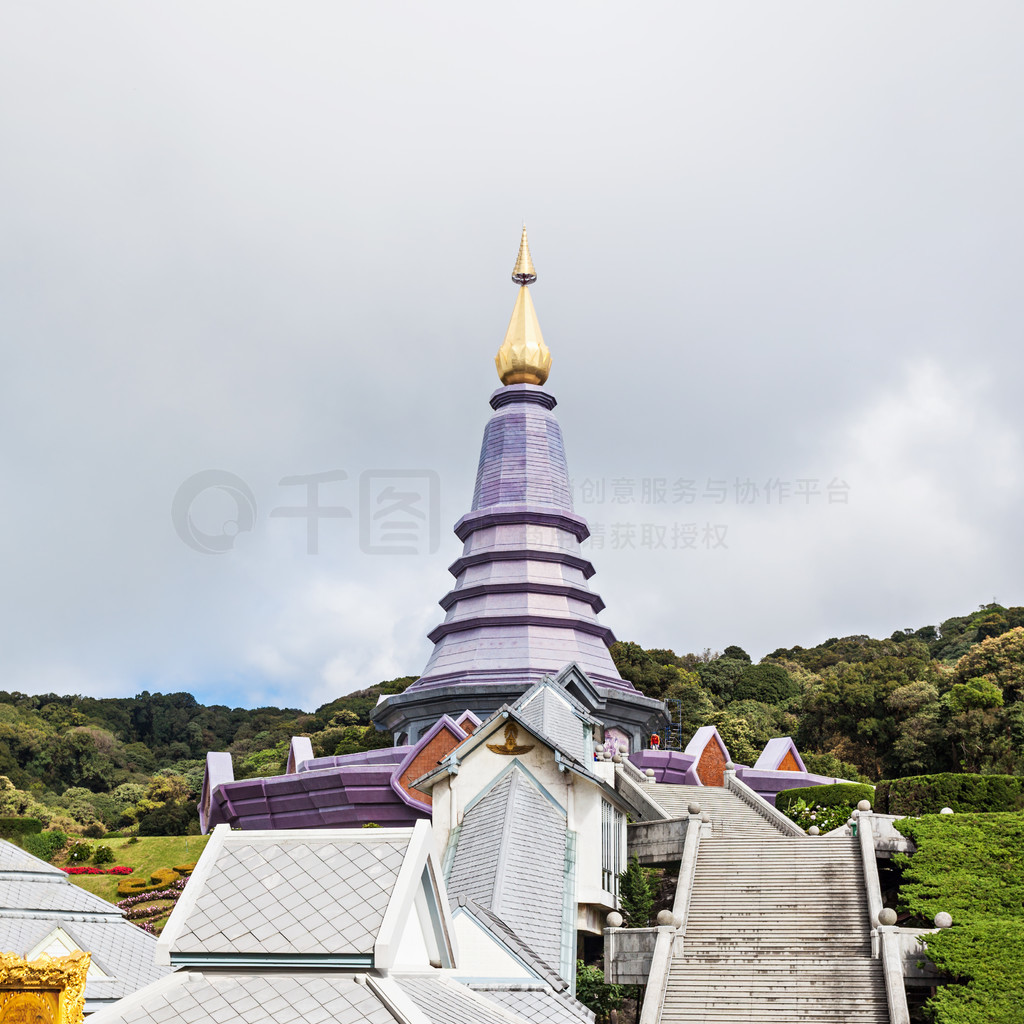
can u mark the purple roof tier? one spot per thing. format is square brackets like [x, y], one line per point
[521, 607]
[325, 792]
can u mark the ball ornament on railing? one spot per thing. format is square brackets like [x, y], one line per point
[614, 920]
[864, 805]
[705, 817]
[943, 920]
[650, 774]
[665, 917]
[887, 917]
[946, 810]
[729, 766]
[693, 808]
[814, 831]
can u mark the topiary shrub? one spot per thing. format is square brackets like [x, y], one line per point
[928, 794]
[103, 855]
[160, 879]
[45, 845]
[79, 852]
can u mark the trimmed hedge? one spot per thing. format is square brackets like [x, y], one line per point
[928, 794]
[970, 866]
[160, 879]
[45, 845]
[11, 828]
[840, 794]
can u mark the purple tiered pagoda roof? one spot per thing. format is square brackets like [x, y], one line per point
[521, 607]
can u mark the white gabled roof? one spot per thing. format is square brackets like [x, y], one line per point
[331, 896]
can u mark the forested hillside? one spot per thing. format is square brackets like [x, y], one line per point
[939, 698]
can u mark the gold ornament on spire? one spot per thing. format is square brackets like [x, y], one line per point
[523, 357]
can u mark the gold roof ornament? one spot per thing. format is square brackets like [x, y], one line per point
[523, 357]
[50, 989]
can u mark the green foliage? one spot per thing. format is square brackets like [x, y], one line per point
[928, 794]
[45, 845]
[103, 855]
[830, 765]
[842, 794]
[636, 894]
[806, 814]
[972, 867]
[769, 684]
[592, 991]
[11, 828]
[79, 852]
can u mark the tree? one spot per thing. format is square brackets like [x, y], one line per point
[636, 895]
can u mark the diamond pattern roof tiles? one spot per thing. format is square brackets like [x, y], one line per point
[256, 999]
[305, 896]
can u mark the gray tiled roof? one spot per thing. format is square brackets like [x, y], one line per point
[58, 894]
[35, 901]
[292, 896]
[538, 1005]
[447, 1002]
[215, 998]
[121, 950]
[552, 715]
[14, 858]
[510, 859]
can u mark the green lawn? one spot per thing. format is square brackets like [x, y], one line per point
[146, 856]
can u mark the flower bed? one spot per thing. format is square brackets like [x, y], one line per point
[117, 869]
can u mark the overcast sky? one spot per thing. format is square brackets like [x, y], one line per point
[779, 249]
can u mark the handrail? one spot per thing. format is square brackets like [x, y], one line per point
[866, 840]
[642, 794]
[668, 940]
[892, 967]
[885, 937]
[770, 813]
[631, 769]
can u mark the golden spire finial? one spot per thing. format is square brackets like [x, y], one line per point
[524, 272]
[523, 357]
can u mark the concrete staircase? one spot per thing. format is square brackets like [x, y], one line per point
[730, 816]
[777, 929]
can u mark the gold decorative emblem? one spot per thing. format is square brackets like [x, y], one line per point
[510, 746]
[50, 990]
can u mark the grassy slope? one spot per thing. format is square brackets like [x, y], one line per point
[146, 856]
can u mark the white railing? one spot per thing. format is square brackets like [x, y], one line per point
[885, 941]
[638, 791]
[768, 811]
[670, 937]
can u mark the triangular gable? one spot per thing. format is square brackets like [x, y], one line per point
[558, 716]
[710, 755]
[483, 955]
[436, 744]
[576, 682]
[780, 755]
[61, 942]
[468, 722]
